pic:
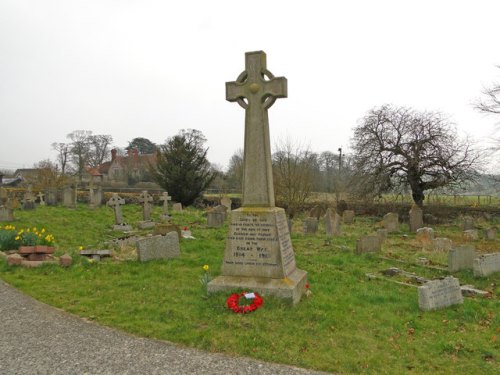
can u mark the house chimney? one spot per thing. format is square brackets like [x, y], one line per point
[113, 154]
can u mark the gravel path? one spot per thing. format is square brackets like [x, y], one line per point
[38, 339]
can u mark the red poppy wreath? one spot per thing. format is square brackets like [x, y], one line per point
[232, 303]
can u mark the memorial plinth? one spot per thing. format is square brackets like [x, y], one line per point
[258, 255]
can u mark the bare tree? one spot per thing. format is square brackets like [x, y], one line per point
[399, 147]
[63, 153]
[490, 104]
[293, 172]
[234, 173]
[99, 149]
[80, 149]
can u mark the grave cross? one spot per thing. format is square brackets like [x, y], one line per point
[146, 199]
[255, 90]
[165, 198]
[41, 196]
[115, 202]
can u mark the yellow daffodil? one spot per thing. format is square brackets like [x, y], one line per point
[43, 230]
[80, 248]
[205, 267]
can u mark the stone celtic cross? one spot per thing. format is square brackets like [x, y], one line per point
[255, 90]
[115, 202]
[146, 200]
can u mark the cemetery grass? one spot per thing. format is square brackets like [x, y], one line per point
[351, 324]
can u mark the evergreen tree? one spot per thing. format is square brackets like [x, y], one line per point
[182, 167]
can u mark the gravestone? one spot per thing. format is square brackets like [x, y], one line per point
[442, 244]
[40, 198]
[438, 294]
[332, 223]
[461, 258]
[391, 222]
[29, 200]
[486, 265]
[115, 202]
[215, 219]
[158, 247]
[96, 254]
[368, 244]
[164, 228]
[226, 202]
[310, 225]
[145, 199]
[98, 196]
[259, 255]
[490, 233]
[317, 212]
[382, 234]
[69, 197]
[91, 197]
[470, 235]
[348, 216]
[165, 198]
[468, 223]
[6, 213]
[416, 218]
[425, 235]
[3, 195]
[51, 196]
[177, 207]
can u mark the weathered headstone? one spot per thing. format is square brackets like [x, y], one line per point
[91, 197]
[486, 265]
[69, 197]
[115, 202]
[425, 235]
[348, 216]
[461, 258]
[177, 207]
[29, 200]
[468, 223]
[317, 212]
[259, 254]
[368, 244]
[6, 213]
[391, 222]
[3, 195]
[96, 254]
[158, 247]
[164, 228]
[310, 225]
[226, 202]
[438, 294]
[470, 235]
[215, 219]
[165, 198]
[51, 196]
[442, 244]
[490, 233]
[98, 196]
[332, 223]
[145, 199]
[416, 218]
[382, 234]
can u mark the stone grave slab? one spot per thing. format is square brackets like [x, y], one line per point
[96, 254]
[6, 214]
[461, 258]
[416, 218]
[442, 244]
[425, 235]
[310, 225]
[486, 265]
[69, 197]
[471, 235]
[468, 223]
[226, 202]
[490, 233]
[348, 216]
[158, 247]
[177, 207]
[164, 228]
[215, 219]
[391, 222]
[438, 294]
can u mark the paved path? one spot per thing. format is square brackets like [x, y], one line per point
[38, 339]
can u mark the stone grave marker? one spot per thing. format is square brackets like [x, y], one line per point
[4, 196]
[317, 212]
[145, 199]
[391, 222]
[177, 207]
[115, 202]
[348, 216]
[51, 196]
[165, 198]
[490, 233]
[215, 219]
[438, 294]
[486, 265]
[226, 202]
[310, 225]
[461, 258]
[470, 235]
[69, 197]
[91, 197]
[164, 228]
[40, 197]
[368, 244]
[259, 255]
[158, 247]
[468, 223]
[98, 196]
[29, 200]
[332, 223]
[416, 218]
[425, 235]
[6, 213]
[382, 234]
[442, 244]
[96, 254]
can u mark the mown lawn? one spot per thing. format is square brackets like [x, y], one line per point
[351, 324]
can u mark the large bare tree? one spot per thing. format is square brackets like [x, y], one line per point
[400, 147]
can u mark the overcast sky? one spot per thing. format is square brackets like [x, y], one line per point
[150, 68]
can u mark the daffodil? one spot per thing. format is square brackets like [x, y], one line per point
[205, 267]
